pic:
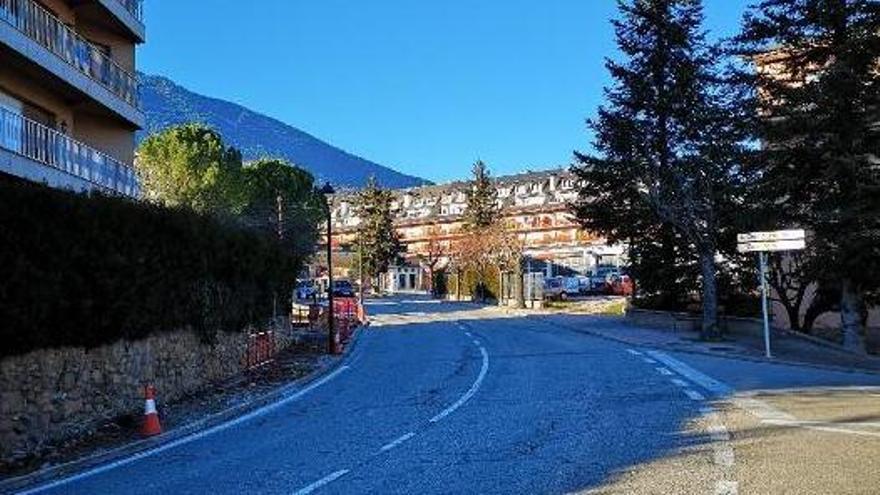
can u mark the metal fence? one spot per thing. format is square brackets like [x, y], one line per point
[40, 25]
[54, 149]
[135, 7]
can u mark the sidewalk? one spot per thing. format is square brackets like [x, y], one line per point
[786, 347]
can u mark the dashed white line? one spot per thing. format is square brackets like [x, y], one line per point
[664, 371]
[470, 393]
[693, 394]
[679, 382]
[394, 443]
[726, 488]
[649, 360]
[634, 352]
[691, 374]
[189, 438]
[321, 482]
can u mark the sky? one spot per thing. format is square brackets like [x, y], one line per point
[425, 87]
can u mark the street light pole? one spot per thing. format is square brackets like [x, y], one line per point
[327, 190]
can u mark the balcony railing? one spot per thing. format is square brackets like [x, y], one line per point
[37, 23]
[135, 7]
[33, 140]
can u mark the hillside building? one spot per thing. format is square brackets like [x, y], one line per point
[429, 222]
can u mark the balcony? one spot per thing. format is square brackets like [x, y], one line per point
[51, 148]
[36, 23]
[134, 7]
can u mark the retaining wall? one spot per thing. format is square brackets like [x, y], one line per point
[688, 322]
[51, 395]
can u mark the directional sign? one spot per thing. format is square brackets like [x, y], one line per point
[766, 246]
[779, 235]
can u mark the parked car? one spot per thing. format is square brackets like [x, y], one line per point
[571, 286]
[600, 282]
[554, 289]
[620, 285]
[343, 288]
[305, 289]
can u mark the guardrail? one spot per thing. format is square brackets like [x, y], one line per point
[45, 145]
[38, 24]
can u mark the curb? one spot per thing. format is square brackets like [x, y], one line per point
[43, 476]
[740, 357]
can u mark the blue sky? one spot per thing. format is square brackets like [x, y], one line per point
[423, 86]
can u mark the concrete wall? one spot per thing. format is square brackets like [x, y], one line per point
[105, 135]
[54, 394]
[686, 322]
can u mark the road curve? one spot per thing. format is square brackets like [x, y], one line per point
[444, 398]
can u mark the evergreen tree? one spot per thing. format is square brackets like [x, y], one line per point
[482, 208]
[376, 237]
[669, 145]
[819, 85]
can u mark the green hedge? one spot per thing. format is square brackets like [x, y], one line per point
[89, 270]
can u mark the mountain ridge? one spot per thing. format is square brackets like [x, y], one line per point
[166, 103]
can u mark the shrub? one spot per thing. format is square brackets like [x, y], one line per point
[90, 270]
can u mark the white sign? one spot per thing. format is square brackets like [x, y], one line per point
[767, 246]
[779, 235]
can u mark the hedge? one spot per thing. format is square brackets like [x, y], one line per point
[82, 270]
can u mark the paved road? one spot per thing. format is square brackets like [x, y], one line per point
[450, 398]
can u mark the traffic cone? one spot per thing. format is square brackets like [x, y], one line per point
[151, 417]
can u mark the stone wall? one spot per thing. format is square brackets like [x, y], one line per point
[51, 395]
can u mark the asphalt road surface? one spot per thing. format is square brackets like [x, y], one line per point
[450, 398]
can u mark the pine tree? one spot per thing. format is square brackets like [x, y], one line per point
[669, 145]
[376, 237]
[482, 208]
[817, 72]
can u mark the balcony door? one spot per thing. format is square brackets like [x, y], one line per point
[10, 123]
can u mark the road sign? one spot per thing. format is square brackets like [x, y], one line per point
[762, 243]
[766, 246]
[779, 235]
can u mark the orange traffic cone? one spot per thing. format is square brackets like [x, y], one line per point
[151, 417]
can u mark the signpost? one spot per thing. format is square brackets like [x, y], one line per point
[763, 243]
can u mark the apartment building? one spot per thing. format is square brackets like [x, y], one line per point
[69, 93]
[428, 221]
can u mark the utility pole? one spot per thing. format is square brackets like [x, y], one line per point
[327, 190]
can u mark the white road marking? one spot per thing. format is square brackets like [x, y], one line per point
[812, 425]
[476, 342]
[691, 374]
[470, 393]
[634, 352]
[649, 361]
[321, 482]
[693, 394]
[679, 382]
[726, 488]
[467, 333]
[396, 442]
[664, 371]
[724, 456]
[189, 438]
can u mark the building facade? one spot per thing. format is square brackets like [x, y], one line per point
[69, 104]
[429, 222]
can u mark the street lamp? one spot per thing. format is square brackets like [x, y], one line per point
[327, 191]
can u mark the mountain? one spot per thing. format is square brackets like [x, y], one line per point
[166, 103]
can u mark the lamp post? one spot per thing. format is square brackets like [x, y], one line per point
[328, 190]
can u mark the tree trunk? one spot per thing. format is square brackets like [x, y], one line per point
[851, 317]
[710, 329]
[519, 289]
